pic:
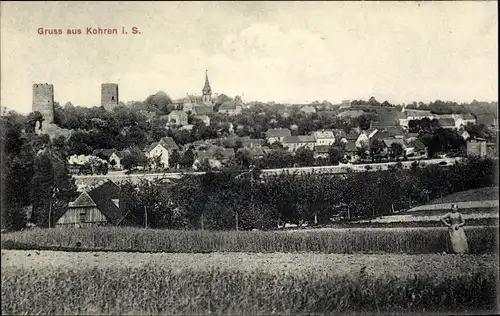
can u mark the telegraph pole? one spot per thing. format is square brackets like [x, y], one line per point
[50, 211]
[236, 217]
[145, 217]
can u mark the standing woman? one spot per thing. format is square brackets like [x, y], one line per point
[455, 223]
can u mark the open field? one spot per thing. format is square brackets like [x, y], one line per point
[236, 283]
[344, 241]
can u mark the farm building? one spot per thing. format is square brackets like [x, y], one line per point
[97, 207]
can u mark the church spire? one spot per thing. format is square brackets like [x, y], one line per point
[207, 91]
[206, 88]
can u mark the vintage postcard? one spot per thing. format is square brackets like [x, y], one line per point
[249, 158]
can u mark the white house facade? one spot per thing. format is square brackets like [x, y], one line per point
[159, 151]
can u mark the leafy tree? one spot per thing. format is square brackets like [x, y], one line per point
[364, 121]
[376, 147]
[335, 154]
[373, 102]
[278, 159]
[243, 158]
[396, 150]
[51, 190]
[304, 157]
[175, 159]
[160, 100]
[134, 159]
[188, 158]
[16, 171]
[34, 118]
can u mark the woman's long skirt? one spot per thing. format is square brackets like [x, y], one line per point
[458, 239]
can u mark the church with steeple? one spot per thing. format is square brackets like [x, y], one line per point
[199, 105]
[207, 91]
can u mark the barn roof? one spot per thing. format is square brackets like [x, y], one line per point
[103, 197]
[83, 200]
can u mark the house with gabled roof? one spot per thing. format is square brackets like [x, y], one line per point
[415, 149]
[462, 120]
[324, 137]
[274, 135]
[206, 155]
[254, 152]
[252, 142]
[321, 151]
[476, 147]
[115, 160]
[177, 118]
[230, 108]
[351, 152]
[301, 141]
[106, 153]
[96, 207]
[395, 131]
[161, 151]
[407, 115]
[388, 142]
[447, 123]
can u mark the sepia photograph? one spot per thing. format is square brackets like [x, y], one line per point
[249, 158]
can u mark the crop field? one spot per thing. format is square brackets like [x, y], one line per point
[358, 270]
[344, 241]
[245, 283]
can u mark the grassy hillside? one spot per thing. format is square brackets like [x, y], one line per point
[481, 194]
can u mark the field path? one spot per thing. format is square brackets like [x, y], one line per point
[342, 264]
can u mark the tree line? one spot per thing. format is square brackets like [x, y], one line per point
[234, 200]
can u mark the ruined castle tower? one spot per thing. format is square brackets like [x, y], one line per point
[43, 101]
[207, 91]
[109, 95]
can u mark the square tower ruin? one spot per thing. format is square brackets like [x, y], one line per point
[109, 96]
[43, 101]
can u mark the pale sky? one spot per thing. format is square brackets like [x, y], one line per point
[291, 52]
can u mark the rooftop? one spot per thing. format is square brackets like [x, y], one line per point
[278, 132]
[299, 139]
